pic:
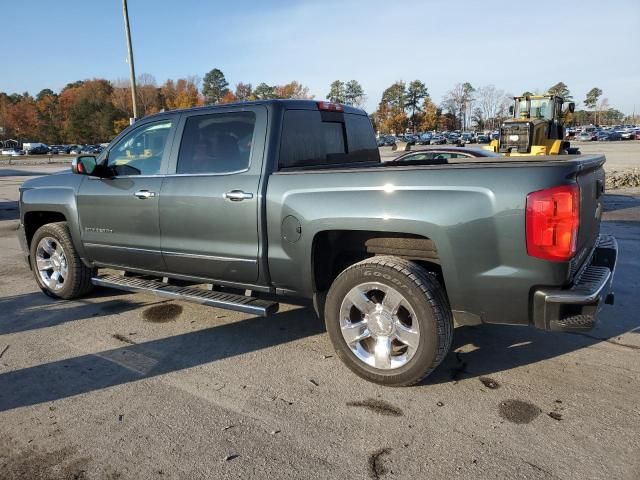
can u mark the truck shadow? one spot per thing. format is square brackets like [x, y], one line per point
[9, 210]
[130, 363]
[490, 349]
[621, 208]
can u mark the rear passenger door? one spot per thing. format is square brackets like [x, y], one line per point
[209, 201]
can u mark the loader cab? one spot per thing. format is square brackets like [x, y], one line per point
[535, 127]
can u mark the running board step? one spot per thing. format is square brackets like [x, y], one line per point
[224, 300]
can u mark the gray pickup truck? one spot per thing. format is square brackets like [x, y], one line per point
[291, 198]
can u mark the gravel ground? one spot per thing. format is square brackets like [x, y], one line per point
[123, 386]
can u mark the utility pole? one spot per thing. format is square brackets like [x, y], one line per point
[132, 70]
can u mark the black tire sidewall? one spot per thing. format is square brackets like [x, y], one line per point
[425, 357]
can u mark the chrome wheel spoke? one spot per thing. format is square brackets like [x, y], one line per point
[383, 335]
[361, 301]
[406, 335]
[355, 332]
[382, 352]
[392, 300]
[47, 246]
[44, 264]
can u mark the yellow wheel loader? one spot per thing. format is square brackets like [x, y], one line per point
[535, 128]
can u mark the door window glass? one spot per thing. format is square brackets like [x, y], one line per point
[216, 143]
[140, 151]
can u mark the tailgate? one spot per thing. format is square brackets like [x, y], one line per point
[591, 181]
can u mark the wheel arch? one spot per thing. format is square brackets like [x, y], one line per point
[332, 251]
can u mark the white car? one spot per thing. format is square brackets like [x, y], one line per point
[11, 152]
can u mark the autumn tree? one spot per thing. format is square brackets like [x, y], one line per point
[214, 86]
[182, 93]
[228, 97]
[49, 121]
[391, 116]
[21, 119]
[91, 113]
[430, 115]
[293, 90]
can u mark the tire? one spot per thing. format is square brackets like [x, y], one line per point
[423, 301]
[75, 276]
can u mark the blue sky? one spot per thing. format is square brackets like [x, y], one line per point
[582, 43]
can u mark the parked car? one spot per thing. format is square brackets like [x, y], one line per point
[587, 136]
[438, 139]
[37, 150]
[58, 149]
[410, 139]
[482, 138]
[466, 138]
[453, 139]
[609, 136]
[628, 134]
[425, 139]
[390, 254]
[380, 141]
[442, 155]
[389, 140]
[12, 152]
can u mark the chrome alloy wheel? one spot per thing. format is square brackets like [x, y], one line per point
[51, 263]
[379, 325]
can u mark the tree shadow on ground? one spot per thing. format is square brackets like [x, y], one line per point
[31, 311]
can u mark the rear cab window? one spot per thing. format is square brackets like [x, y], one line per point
[322, 139]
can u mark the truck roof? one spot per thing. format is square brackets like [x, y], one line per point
[285, 104]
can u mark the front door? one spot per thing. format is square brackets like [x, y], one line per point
[209, 200]
[119, 215]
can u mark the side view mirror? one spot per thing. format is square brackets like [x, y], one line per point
[83, 165]
[511, 110]
[572, 107]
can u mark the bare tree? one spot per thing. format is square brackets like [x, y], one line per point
[459, 103]
[490, 102]
[602, 106]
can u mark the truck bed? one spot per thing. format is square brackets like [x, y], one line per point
[473, 211]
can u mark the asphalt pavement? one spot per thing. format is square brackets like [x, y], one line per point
[126, 386]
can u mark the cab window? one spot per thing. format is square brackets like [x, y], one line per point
[219, 143]
[140, 151]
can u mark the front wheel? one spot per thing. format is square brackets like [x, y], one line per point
[56, 265]
[389, 320]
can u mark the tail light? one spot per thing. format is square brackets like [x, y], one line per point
[552, 221]
[330, 106]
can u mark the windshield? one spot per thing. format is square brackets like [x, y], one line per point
[541, 108]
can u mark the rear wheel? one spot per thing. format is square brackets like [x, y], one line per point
[56, 265]
[389, 320]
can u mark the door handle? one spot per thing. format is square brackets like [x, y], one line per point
[238, 195]
[142, 194]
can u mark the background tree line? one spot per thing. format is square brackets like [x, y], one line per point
[93, 111]
[409, 107]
